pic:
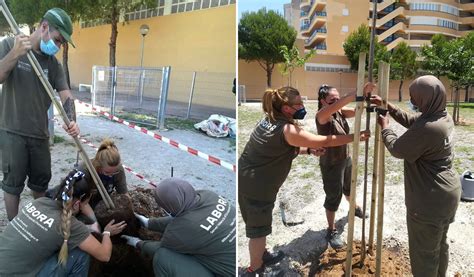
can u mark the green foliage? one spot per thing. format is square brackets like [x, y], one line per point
[403, 65]
[359, 41]
[293, 60]
[261, 36]
[434, 56]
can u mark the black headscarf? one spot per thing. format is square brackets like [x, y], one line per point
[175, 196]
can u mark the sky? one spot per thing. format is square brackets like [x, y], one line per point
[255, 5]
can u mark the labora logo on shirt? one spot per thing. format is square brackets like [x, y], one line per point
[216, 215]
[44, 219]
[267, 125]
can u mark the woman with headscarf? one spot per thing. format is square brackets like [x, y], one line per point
[198, 236]
[432, 187]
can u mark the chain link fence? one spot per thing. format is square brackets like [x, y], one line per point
[149, 95]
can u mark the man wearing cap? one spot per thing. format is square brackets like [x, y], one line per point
[24, 104]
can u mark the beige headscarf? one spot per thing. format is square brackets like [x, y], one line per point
[428, 93]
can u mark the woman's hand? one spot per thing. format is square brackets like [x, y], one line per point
[115, 228]
[383, 121]
[364, 135]
[317, 151]
[369, 88]
[376, 99]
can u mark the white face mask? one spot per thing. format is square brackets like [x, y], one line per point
[413, 107]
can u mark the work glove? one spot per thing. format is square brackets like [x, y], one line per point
[143, 220]
[132, 241]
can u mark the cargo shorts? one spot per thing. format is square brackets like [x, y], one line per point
[257, 216]
[23, 157]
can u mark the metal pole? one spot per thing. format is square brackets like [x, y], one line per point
[114, 90]
[191, 93]
[49, 89]
[140, 84]
[51, 124]
[93, 87]
[165, 81]
[367, 127]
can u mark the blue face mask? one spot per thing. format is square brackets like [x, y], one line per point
[49, 47]
[300, 114]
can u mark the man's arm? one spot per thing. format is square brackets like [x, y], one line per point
[70, 109]
[8, 62]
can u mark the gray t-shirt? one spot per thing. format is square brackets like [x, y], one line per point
[24, 102]
[207, 231]
[33, 236]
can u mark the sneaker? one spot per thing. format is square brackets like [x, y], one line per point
[251, 273]
[334, 239]
[272, 258]
[359, 213]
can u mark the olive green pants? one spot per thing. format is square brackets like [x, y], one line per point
[170, 263]
[429, 250]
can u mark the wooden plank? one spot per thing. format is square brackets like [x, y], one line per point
[381, 186]
[355, 157]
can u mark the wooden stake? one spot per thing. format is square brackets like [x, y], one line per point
[355, 157]
[49, 89]
[381, 187]
[375, 173]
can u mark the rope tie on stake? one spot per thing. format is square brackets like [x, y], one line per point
[49, 89]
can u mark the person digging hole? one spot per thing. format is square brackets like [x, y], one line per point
[198, 235]
[45, 238]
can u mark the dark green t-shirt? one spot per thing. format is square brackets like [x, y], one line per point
[33, 236]
[337, 125]
[207, 231]
[265, 161]
[24, 102]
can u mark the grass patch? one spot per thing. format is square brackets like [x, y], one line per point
[58, 139]
[179, 123]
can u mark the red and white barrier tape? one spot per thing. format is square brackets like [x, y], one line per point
[138, 175]
[168, 141]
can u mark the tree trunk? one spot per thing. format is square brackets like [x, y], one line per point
[65, 63]
[269, 70]
[113, 36]
[400, 91]
[466, 97]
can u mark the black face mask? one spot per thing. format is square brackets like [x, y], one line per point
[299, 114]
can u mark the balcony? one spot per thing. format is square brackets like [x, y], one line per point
[304, 15]
[317, 6]
[321, 46]
[318, 36]
[305, 5]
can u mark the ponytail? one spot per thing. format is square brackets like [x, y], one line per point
[107, 155]
[274, 99]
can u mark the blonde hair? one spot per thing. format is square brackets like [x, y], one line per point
[107, 155]
[274, 99]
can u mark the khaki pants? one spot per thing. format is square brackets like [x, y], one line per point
[429, 254]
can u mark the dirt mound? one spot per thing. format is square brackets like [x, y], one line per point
[126, 260]
[395, 262]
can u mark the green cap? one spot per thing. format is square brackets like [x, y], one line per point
[60, 20]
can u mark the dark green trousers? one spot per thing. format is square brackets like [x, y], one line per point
[25, 156]
[429, 250]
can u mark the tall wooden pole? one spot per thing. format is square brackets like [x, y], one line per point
[49, 89]
[355, 155]
[381, 187]
[367, 127]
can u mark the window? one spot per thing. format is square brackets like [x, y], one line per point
[345, 12]
[345, 29]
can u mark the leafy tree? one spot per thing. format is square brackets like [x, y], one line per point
[293, 60]
[403, 65]
[434, 56]
[261, 36]
[111, 11]
[359, 41]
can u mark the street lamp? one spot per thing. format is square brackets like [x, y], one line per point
[143, 31]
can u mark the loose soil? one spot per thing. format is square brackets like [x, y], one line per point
[395, 262]
[126, 260]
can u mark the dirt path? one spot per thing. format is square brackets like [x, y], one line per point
[303, 191]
